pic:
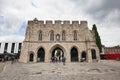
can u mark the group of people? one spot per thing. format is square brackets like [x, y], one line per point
[58, 59]
[10, 58]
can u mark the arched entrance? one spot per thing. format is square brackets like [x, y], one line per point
[31, 57]
[57, 52]
[41, 55]
[83, 56]
[93, 54]
[74, 54]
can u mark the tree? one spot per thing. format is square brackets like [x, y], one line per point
[97, 38]
[58, 52]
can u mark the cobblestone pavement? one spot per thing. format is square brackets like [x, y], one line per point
[105, 70]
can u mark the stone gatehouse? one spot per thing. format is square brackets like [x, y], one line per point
[46, 39]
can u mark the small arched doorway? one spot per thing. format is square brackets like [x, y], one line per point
[74, 54]
[31, 58]
[93, 54]
[41, 55]
[83, 56]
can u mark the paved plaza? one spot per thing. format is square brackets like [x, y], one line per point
[2, 64]
[104, 70]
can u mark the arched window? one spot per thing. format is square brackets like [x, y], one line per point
[40, 36]
[51, 36]
[63, 36]
[75, 35]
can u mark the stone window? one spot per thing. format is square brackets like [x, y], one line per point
[63, 36]
[75, 35]
[40, 36]
[51, 36]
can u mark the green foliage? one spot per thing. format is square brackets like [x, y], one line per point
[58, 52]
[118, 46]
[97, 37]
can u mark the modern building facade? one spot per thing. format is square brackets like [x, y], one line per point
[10, 47]
[45, 39]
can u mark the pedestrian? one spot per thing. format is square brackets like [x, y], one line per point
[56, 59]
[63, 60]
[59, 58]
[12, 59]
[52, 59]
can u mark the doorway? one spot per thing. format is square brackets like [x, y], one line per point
[41, 55]
[31, 57]
[74, 55]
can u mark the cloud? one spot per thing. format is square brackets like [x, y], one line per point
[12, 38]
[104, 13]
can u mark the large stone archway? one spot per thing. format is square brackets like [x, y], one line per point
[57, 52]
[74, 54]
[41, 55]
[57, 47]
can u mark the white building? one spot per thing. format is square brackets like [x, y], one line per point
[10, 47]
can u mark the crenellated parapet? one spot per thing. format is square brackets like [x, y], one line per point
[56, 22]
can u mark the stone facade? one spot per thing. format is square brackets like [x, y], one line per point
[74, 39]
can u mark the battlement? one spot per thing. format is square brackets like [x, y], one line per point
[49, 22]
[58, 22]
[83, 22]
[66, 22]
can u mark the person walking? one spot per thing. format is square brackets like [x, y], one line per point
[63, 60]
[59, 58]
[52, 59]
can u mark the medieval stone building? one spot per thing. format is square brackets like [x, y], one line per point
[72, 39]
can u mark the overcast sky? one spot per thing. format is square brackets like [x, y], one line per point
[14, 15]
